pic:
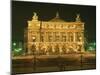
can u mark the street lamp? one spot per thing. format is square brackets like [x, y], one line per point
[34, 56]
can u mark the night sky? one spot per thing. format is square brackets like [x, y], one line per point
[23, 11]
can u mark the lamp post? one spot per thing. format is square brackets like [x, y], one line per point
[34, 55]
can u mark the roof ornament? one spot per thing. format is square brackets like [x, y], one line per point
[35, 17]
[57, 18]
[78, 18]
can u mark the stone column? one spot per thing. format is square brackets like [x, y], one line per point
[74, 34]
[60, 48]
[37, 46]
[82, 48]
[69, 36]
[76, 37]
[59, 37]
[66, 36]
[53, 48]
[29, 48]
[53, 36]
[82, 34]
[38, 37]
[29, 43]
[45, 36]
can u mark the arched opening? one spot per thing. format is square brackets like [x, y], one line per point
[64, 49]
[56, 49]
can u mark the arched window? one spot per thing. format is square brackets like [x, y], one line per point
[71, 37]
[64, 48]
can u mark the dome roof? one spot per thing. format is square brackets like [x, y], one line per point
[57, 18]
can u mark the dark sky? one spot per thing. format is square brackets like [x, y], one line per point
[23, 11]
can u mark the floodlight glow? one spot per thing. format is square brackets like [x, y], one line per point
[14, 44]
[90, 48]
[18, 49]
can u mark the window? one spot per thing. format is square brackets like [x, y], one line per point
[56, 38]
[64, 38]
[70, 36]
[49, 38]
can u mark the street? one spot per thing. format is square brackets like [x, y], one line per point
[53, 63]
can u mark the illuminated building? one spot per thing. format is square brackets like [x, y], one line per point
[55, 36]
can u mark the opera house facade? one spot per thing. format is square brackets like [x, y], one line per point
[55, 36]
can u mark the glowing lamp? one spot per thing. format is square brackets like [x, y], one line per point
[33, 38]
[14, 44]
